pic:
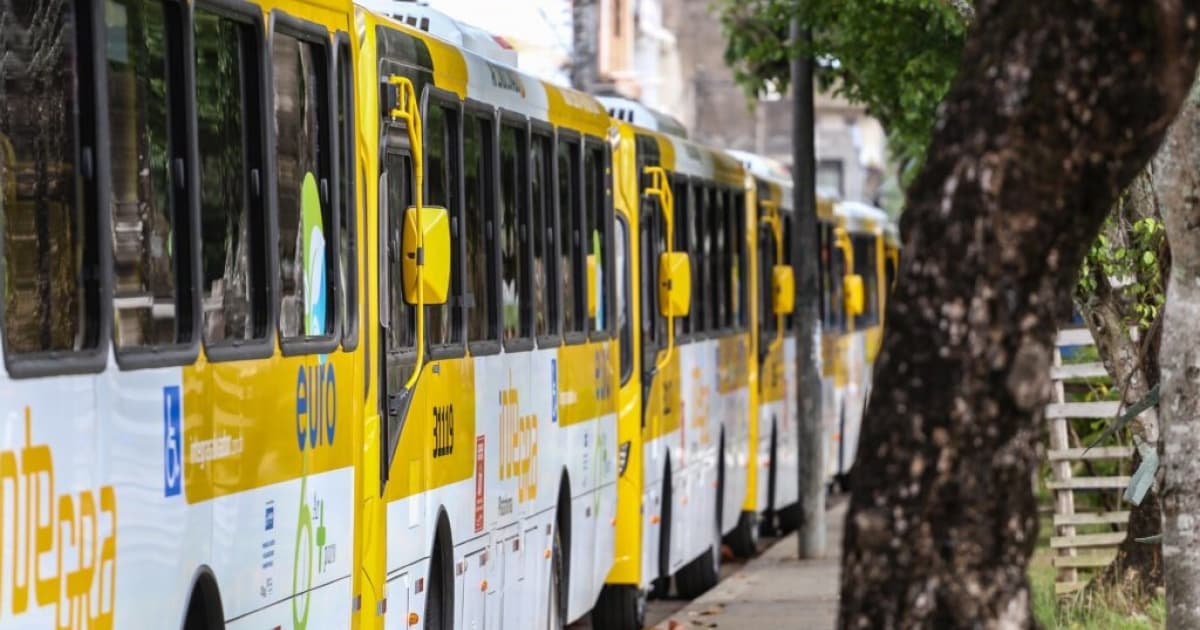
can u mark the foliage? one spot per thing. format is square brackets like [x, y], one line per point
[1132, 268]
[1107, 609]
[895, 57]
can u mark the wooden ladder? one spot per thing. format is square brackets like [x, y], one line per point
[1094, 550]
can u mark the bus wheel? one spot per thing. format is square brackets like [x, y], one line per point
[621, 607]
[704, 572]
[660, 588]
[767, 524]
[744, 539]
[439, 598]
[556, 615]
[204, 610]
[789, 518]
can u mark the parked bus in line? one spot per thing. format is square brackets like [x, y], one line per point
[310, 316]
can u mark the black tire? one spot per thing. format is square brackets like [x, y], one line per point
[621, 607]
[439, 602]
[789, 518]
[743, 540]
[660, 588]
[704, 571]
[205, 611]
[767, 525]
[557, 613]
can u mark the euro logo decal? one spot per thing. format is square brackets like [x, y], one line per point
[172, 441]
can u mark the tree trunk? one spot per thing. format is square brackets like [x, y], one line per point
[585, 29]
[1137, 569]
[1180, 364]
[1056, 107]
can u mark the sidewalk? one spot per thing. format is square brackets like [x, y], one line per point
[775, 590]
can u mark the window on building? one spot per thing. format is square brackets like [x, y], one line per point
[830, 179]
[150, 219]
[232, 216]
[306, 228]
[47, 213]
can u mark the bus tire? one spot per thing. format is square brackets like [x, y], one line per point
[660, 588]
[621, 607]
[743, 540]
[789, 518]
[439, 600]
[704, 571]
[556, 613]
[204, 611]
[767, 524]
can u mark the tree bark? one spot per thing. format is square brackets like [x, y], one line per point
[1056, 107]
[1180, 363]
[1132, 364]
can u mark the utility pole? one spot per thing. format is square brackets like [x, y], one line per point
[804, 255]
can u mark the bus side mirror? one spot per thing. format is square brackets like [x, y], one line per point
[435, 226]
[784, 283]
[674, 285]
[853, 284]
[592, 289]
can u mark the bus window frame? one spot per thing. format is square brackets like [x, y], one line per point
[346, 156]
[92, 132]
[525, 316]
[434, 96]
[681, 191]
[606, 221]
[265, 290]
[572, 337]
[182, 141]
[281, 22]
[491, 162]
[740, 294]
[625, 367]
[540, 129]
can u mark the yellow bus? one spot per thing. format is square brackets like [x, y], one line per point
[686, 381]
[309, 314]
[855, 259]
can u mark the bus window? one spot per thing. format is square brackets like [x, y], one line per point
[444, 321]
[598, 219]
[48, 239]
[150, 226]
[624, 308]
[570, 244]
[479, 301]
[398, 196]
[545, 285]
[719, 217]
[514, 288]
[679, 189]
[348, 225]
[302, 138]
[768, 322]
[232, 217]
[865, 260]
[696, 254]
[652, 244]
[737, 250]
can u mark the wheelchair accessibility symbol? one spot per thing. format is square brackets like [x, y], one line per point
[172, 441]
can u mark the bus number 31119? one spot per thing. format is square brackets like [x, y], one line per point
[443, 430]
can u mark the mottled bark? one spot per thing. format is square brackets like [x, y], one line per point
[1056, 107]
[1180, 363]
